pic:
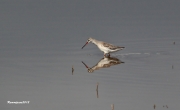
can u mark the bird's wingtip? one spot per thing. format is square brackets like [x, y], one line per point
[121, 47]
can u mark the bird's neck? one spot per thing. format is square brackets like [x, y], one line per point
[94, 41]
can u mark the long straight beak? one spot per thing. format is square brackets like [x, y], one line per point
[85, 65]
[85, 45]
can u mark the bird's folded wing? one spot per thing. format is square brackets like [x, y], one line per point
[110, 46]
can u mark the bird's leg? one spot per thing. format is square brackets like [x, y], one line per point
[108, 54]
[104, 55]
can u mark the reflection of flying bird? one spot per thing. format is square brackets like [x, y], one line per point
[103, 46]
[105, 62]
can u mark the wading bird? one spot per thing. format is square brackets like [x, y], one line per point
[107, 48]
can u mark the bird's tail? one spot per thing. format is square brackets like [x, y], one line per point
[121, 48]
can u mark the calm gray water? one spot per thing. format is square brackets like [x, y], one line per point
[41, 41]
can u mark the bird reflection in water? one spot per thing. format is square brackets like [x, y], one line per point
[105, 62]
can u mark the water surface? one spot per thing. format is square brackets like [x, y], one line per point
[38, 52]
